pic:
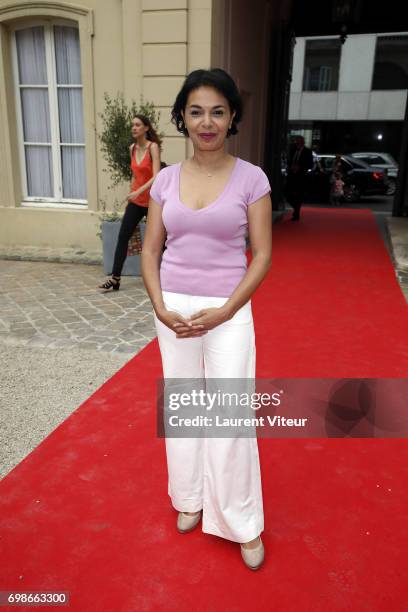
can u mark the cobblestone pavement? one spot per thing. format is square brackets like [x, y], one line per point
[58, 305]
[48, 254]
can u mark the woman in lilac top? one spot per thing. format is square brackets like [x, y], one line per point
[202, 208]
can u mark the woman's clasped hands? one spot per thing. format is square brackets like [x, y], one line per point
[196, 325]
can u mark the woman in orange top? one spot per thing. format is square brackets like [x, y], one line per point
[145, 164]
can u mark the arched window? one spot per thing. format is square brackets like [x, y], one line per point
[391, 63]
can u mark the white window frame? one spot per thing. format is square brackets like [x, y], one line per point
[58, 201]
[325, 75]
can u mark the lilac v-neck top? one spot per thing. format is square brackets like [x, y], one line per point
[205, 249]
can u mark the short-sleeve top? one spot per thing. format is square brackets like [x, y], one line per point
[206, 249]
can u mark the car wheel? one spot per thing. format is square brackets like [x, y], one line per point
[391, 186]
[351, 193]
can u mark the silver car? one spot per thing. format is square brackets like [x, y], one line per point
[386, 162]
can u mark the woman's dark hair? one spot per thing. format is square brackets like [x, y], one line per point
[219, 80]
[151, 133]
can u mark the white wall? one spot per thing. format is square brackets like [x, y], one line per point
[357, 63]
[354, 99]
[298, 63]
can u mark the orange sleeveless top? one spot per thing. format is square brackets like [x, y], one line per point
[142, 173]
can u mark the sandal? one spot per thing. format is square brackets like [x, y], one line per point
[112, 283]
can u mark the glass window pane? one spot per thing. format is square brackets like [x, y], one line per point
[32, 68]
[73, 172]
[328, 162]
[67, 55]
[71, 115]
[391, 63]
[373, 159]
[322, 60]
[36, 115]
[39, 171]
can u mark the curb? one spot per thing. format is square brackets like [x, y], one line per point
[397, 230]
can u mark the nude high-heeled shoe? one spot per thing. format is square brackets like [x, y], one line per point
[253, 557]
[187, 522]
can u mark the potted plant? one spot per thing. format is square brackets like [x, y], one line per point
[109, 232]
[115, 139]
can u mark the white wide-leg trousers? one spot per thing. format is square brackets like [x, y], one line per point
[221, 476]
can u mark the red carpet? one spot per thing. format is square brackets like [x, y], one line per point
[87, 511]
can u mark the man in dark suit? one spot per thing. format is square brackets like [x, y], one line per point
[300, 160]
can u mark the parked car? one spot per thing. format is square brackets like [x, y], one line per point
[360, 180]
[383, 161]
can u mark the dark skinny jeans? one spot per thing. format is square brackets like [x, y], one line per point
[133, 215]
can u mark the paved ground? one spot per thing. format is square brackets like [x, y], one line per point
[58, 305]
[40, 388]
[394, 231]
[61, 338]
